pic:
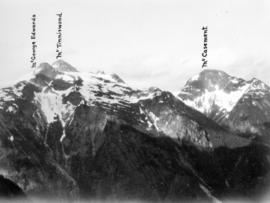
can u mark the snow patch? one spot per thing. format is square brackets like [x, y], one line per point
[11, 138]
[154, 120]
[225, 100]
[195, 77]
[65, 77]
[11, 109]
[52, 105]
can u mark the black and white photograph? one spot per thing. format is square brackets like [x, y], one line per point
[137, 101]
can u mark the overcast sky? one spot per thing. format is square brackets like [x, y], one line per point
[147, 42]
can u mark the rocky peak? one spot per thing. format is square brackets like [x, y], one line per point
[214, 93]
[45, 69]
[117, 78]
[62, 66]
[211, 80]
[154, 89]
[258, 84]
[212, 74]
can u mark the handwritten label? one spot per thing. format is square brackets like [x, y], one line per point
[33, 42]
[205, 47]
[59, 37]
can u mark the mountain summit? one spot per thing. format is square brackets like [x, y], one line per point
[242, 105]
[63, 66]
[213, 89]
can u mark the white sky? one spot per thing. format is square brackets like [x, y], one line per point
[146, 42]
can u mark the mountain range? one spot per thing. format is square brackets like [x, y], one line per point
[69, 134]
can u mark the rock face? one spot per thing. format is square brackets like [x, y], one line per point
[111, 159]
[90, 135]
[45, 70]
[173, 118]
[63, 66]
[134, 165]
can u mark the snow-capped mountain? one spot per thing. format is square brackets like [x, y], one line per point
[89, 134]
[230, 101]
[213, 89]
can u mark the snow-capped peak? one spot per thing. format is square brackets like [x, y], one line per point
[63, 88]
[215, 92]
[258, 84]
